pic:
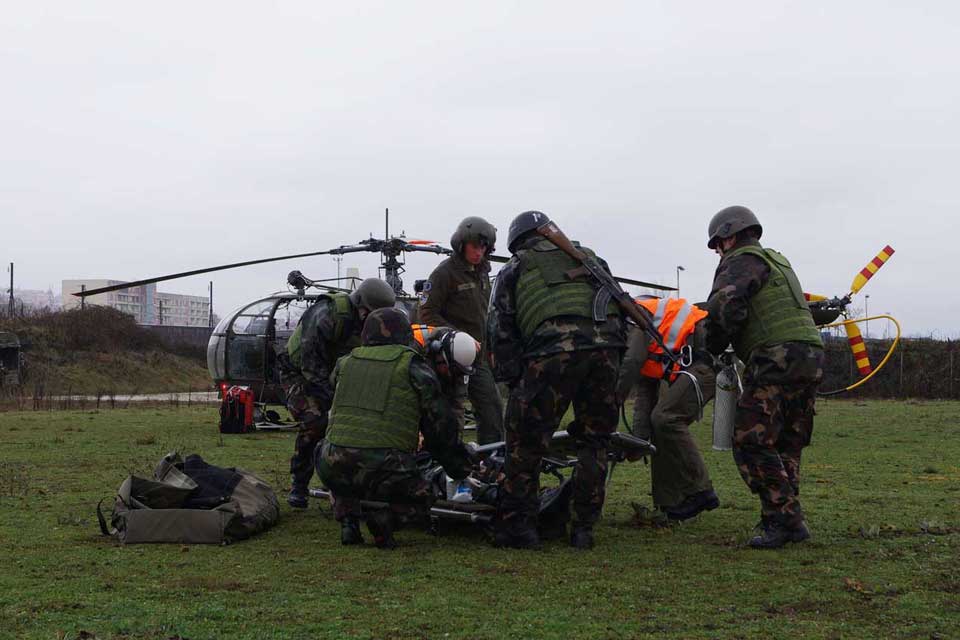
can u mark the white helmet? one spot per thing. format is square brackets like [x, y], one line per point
[460, 351]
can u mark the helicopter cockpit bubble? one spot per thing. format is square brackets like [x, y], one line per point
[244, 345]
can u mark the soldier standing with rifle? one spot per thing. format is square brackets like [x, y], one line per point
[456, 295]
[757, 304]
[556, 338]
[329, 329]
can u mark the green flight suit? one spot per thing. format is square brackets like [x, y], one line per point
[456, 295]
[663, 412]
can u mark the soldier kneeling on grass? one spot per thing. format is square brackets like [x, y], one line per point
[386, 396]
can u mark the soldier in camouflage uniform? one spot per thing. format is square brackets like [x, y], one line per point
[456, 295]
[330, 328]
[386, 395]
[757, 304]
[544, 342]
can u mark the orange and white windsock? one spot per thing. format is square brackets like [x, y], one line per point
[858, 348]
[872, 267]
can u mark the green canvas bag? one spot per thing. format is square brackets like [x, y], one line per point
[191, 502]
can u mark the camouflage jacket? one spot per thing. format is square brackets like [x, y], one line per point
[505, 343]
[736, 280]
[318, 354]
[438, 423]
[456, 295]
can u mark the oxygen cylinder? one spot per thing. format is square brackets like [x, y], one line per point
[725, 408]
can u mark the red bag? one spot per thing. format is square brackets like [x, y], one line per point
[236, 410]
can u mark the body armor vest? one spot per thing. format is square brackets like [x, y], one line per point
[375, 405]
[545, 289]
[778, 312]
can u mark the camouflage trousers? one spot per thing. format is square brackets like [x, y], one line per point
[774, 422]
[537, 403]
[378, 475]
[485, 400]
[663, 414]
[312, 417]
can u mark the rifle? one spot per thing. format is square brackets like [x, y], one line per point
[610, 288]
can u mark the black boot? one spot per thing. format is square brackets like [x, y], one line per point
[301, 471]
[381, 526]
[581, 537]
[516, 533]
[350, 532]
[775, 535]
[298, 496]
[552, 531]
[693, 505]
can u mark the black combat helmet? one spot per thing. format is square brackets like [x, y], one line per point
[730, 221]
[523, 223]
[373, 293]
[474, 229]
[386, 326]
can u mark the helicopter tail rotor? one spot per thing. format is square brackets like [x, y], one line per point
[872, 267]
[857, 346]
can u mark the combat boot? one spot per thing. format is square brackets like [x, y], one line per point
[581, 537]
[350, 532]
[517, 532]
[553, 531]
[299, 493]
[693, 505]
[381, 526]
[775, 535]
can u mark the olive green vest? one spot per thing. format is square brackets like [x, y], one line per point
[337, 347]
[544, 290]
[375, 406]
[778, 312]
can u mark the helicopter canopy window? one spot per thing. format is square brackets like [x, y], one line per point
[216, 360]
[245, 359]
[246, 343]
[288, 314]
[254, 320]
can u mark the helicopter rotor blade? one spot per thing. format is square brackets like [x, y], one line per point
[374, 246]
[195, 272]
[641, 283]
[872, 267]
[857, 347]
[429, 248]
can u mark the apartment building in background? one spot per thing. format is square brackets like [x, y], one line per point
[145, 303]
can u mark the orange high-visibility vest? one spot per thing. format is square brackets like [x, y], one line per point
[675, 320]
[421, 332]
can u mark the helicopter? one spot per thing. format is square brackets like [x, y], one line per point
[243, 347]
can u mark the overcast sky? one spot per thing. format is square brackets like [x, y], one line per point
[138, 140]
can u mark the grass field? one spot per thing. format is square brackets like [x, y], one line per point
[881, 488]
